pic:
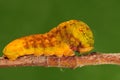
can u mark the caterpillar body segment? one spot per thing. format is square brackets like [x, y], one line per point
[62, 40]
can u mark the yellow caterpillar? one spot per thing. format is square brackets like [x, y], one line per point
[62, 40]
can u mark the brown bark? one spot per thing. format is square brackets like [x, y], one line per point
[64, 62]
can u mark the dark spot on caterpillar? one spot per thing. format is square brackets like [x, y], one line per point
[5, 57]
[81, 25]
[26, 44]
[64, 27]
[87, 28]
[93, 53]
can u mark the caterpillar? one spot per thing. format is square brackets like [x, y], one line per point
[63, 40]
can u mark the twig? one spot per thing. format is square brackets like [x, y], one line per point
[65, 62]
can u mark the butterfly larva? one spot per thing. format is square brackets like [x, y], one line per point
[62, 40]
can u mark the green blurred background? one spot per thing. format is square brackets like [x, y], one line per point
[24, 17]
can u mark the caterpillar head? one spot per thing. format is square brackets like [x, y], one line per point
[78, 35]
